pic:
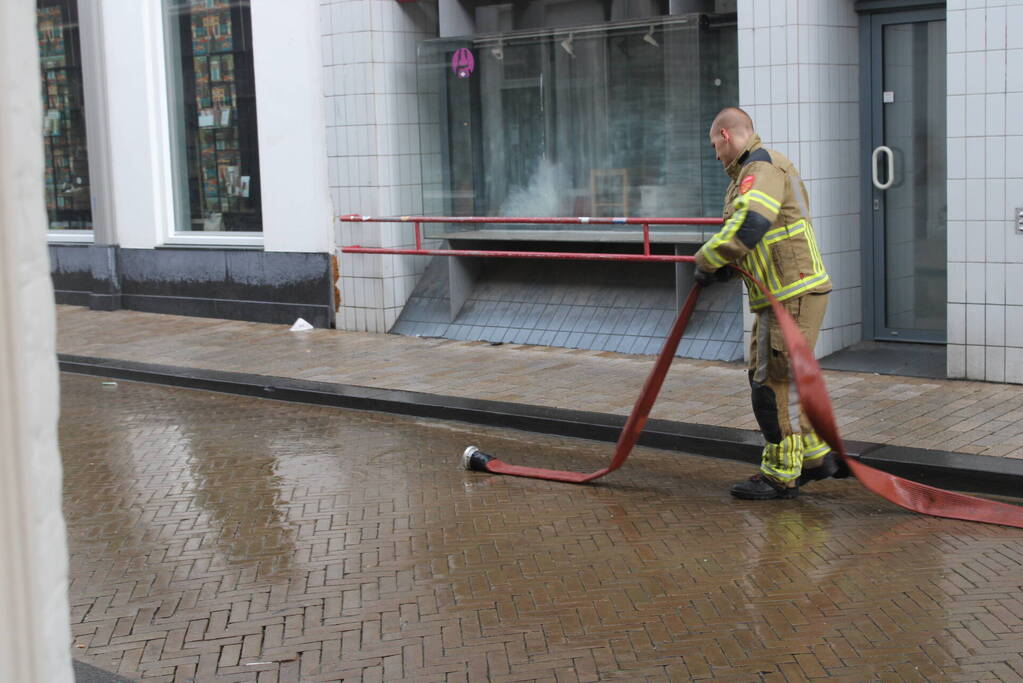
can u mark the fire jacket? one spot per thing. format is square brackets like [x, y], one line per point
[767, 228]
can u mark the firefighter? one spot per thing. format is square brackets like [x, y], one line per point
[767, 232]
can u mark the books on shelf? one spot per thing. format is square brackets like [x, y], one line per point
[50, 25]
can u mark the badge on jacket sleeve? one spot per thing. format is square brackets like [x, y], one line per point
[747, 184]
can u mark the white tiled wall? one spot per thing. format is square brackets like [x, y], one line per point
[798, 79]
[985, 185]
[373, 149]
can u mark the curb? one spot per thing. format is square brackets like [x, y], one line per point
[943, 469]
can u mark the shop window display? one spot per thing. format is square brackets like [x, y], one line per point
[68, 201]
[605, 120]
[213, 115]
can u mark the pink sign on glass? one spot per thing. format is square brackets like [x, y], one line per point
[462, 62]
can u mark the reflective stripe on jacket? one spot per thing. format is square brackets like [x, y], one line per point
[767, 228]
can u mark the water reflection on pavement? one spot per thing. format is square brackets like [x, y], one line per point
[216, 537]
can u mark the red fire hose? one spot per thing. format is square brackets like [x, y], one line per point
[813, 396]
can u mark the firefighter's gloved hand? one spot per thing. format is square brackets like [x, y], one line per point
[705, 279]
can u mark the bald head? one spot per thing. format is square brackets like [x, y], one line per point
[733, 119]
[729, 133]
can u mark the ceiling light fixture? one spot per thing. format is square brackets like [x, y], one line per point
[649, 37]
[566, 44]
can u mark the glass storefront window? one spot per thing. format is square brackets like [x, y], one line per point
[213, 115]
[600, 121]
[68, 200]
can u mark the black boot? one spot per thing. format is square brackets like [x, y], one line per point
[759, 487]
[830, 467]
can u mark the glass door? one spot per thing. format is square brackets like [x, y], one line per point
[908, 175]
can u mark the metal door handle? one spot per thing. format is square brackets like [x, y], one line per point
[891, 167]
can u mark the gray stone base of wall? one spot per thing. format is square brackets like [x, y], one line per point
[253, 285]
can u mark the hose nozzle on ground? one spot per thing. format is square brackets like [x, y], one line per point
[474, 459]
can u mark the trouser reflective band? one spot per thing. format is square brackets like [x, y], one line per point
[814, 448]
[783, 461]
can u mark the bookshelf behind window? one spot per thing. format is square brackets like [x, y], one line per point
[66, 170]
[220, 111]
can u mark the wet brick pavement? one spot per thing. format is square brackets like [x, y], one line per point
[221, 538]
[965, 417]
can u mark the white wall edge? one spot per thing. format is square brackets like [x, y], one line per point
[219, 240]
[77, 237]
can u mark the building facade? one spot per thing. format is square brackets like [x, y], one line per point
[220, 138]
[205, 157]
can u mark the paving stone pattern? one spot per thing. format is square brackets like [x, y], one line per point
[221, 538]
[967, 417]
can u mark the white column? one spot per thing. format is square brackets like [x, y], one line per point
[135, 91]
[34, 632]
[297, 213]
[985, 185]
[798, 71]
[94, 79]
[374, 148]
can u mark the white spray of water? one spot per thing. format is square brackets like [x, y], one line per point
[544, 195]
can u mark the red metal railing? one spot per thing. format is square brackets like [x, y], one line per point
[417, 221]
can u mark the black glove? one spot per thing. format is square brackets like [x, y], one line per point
[705, 279]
